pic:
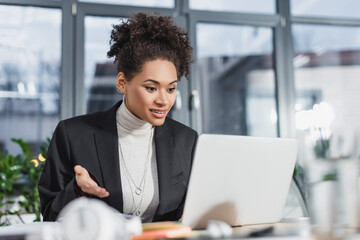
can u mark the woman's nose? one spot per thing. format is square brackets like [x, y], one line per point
[161, 98]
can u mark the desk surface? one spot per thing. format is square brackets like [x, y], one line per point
[286, 229]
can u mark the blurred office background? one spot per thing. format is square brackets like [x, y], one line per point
[259, 66]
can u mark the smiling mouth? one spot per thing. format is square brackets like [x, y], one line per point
[158, 114]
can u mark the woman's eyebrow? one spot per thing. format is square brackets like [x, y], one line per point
[158, 83]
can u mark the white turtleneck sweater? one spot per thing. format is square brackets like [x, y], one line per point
[138, 169]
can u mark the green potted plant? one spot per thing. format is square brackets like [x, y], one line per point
[19, 176]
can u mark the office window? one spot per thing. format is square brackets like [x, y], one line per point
[326, 8]
[236, 79]
[29, 74]
[259, 6]
[142, 3]
[327, 69]
[100, 71]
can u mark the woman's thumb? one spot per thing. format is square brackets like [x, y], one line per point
[78, 169]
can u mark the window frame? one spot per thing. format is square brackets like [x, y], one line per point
[72, 94]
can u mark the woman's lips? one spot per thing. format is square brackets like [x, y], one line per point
[158, 113]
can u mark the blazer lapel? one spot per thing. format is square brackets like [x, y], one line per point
[106, 140]
[164, 142]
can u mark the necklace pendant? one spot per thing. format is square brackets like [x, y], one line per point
[138, 191]
[137, 213]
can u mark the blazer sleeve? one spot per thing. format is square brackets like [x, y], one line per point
[57, 182]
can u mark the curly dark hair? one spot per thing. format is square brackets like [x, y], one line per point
[145, 37]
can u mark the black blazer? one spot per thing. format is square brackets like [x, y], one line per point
[91, 140]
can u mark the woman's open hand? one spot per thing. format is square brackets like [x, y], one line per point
[86, 184]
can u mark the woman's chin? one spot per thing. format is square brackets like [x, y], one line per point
[157, 122]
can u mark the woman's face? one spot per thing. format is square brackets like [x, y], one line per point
[150, 94]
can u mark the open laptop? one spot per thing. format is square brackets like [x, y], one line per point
[240, 180]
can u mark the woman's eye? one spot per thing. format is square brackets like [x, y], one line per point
[170, 90]
[151, 89]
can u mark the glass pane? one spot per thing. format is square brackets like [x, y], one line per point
[144, 3]
[326, 8]
[100, 71]
[327, 69]
[327, 66]
[236, 79]
[30, 50]
[259, 6]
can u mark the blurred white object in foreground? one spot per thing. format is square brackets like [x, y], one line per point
[86, 218]
[83, 218]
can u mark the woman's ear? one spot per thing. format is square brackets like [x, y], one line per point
[121, 82]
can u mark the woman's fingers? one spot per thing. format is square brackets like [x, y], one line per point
[86, 184]
[101, 192]
[97, 191]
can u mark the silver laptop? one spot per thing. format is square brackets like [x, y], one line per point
[240, 180]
